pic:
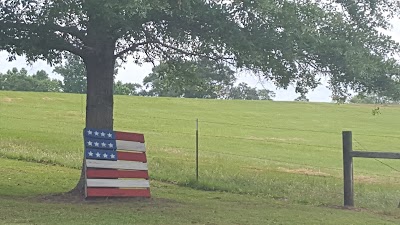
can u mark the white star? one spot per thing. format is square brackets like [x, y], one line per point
[96, 133]
[109, 135]
[111, 145]
[90, 153]
[97, 155]
[112, 156]
[103, 144]
[89, 132]
[96, 144]
[103, 134]
[89, 143]
[105, 155]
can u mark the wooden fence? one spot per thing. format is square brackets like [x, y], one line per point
[348, 155]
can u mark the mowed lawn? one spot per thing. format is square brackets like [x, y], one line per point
[25, 199]
[262, 160]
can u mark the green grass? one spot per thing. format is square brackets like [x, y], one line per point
[170, 204]
[267, 152]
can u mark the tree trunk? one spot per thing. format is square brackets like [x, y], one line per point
[99, 99]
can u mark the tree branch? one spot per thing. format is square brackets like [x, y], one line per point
[188, 53]
[74, 31]
[70, 48]
[46, 36]
[131, 48]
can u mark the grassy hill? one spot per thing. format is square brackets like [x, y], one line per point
[278, 157]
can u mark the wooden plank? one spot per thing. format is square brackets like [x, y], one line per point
[132, 156]
[124, 165]
[125, 136]
[140, 183]
[116, 192]
[103, 173]
[131, 146]
[380, 155]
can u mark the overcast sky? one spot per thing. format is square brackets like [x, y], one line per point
[135, 74]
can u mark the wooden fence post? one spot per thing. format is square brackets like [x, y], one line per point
[348, 169]
[197, 149]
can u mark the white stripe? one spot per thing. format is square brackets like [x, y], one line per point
[131, 146]
[127, 165]
[118, 183]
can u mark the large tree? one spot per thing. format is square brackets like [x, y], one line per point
[287, 41]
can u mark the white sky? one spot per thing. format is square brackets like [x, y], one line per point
[135, 74]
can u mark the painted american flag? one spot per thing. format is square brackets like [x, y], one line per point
[116, 164]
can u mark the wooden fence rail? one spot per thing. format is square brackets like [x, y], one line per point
[348, 155]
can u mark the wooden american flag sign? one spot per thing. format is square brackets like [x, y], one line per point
[115, 164]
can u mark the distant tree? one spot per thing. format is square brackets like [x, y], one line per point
[339, 99]
[73, 72]
[155, 86]
[126, 88]
[302, 98]
[363, 98]
[189, 79]
[15, 80]
[265, 94]
[243, 91]
[41, 75]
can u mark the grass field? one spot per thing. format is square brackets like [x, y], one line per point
[260, 162]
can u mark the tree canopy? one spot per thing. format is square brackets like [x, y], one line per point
[287, 41]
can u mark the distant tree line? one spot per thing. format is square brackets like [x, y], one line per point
[19, 80]
[372, 98]
[185, 79]
[390, 96]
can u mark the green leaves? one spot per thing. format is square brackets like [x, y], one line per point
[15, 80]
[73, 73]
[190, 79]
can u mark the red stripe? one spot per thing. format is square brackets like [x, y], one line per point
[124, 136]
[104, 173]
[115, 192]
[132, 156]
